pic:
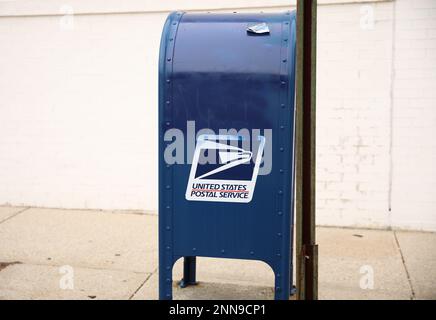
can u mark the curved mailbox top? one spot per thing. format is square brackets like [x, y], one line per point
[219, 72]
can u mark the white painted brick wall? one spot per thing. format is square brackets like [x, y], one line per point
[353, 116]
[414, 116]
[78, 111]
[376, 116]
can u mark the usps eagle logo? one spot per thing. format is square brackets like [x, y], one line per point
[222, 171]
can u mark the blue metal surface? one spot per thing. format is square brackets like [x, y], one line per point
[213, 72]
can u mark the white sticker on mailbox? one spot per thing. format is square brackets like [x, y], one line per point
[231, 177]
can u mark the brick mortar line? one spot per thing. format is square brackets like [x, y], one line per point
[27, 13]
[409, 280]
[15, 214]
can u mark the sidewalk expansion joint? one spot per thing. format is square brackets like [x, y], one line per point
[15, 214]
[142, 284]
[409, 280]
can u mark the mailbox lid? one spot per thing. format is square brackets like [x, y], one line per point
[214, 72]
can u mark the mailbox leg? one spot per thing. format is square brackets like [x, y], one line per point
[189, 270]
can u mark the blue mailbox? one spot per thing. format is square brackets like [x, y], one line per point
[226, 142]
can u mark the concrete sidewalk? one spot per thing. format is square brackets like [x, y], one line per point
[113, 255]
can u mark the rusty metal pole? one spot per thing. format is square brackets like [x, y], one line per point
[306, 248]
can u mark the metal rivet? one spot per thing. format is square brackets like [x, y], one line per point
[280, 192]
[194, 249]
[282, 105]
[174, 23]
[168, 123]
[168, 280]
[169, 59]
[283, 83]
[168, 80]
[278, 275]
[285, 40]
[168, 187]
[168, 102]
[168, 268]
[280, 213]
[279, 255]
[282, 149]
[168, 207]
[278, 289]
[223, 251]
[168, 248]
[252, 252]
[281, 170]
[171, 39]
[284, 60]
[279, 234]
[168, 228]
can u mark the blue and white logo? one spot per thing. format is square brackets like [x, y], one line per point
[230, 176]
